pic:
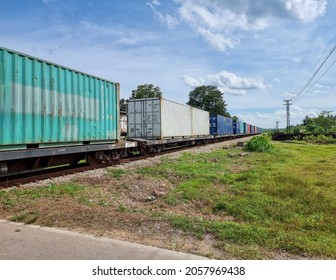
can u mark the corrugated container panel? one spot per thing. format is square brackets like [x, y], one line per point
[213, 121]
[248, 129]
[176, 119]
[241, 127]
[244, 128]
[218, 125]
[236, 127]
[156, 118]
[200, 122]
[229, 126]
[44, 103]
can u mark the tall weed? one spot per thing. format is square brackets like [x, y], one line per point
[259, 144]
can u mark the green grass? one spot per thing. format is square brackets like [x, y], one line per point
[23, 198]
[282, 200]
[254, 207]
[116, 173]
[25, 217]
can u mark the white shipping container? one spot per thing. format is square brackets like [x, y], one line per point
[158, 118]
[175, 119]
[200, 122]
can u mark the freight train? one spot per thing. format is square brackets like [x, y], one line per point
[157, 124]
[52, 115]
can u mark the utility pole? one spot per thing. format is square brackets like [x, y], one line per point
[287, 103]
[277, 126]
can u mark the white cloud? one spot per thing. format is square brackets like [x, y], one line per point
[223, 23]
[192, 82]
[117, 35]
[230, 83]
[215, 25]
[296, 59]
[305, 9]
[156, 2]
[218, 16]
[289, 95]
[217, 40]
[269, 119]
[169, 20]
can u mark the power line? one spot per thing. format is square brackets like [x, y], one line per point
[317, 80]
[325, 50]
[317, 30]
[302, 91]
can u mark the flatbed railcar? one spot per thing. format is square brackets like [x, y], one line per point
[157, 124]
[52, 115]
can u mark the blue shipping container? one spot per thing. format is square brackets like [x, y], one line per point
[220, 125]
[236, 127]
[244, 126]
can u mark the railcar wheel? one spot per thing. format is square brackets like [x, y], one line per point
[94, 159]
[159, 148]
[3, 168]
[131, 151]
[143, 149]
[115, 155]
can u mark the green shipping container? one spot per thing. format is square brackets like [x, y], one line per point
[241, 124]
[43, 104]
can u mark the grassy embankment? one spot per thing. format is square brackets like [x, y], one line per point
[283, 201]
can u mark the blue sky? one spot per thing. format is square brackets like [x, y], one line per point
[256, 52]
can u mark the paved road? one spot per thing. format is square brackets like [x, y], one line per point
[30, 242]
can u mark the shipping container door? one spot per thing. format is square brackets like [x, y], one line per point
[151, 124]
[213, 124]
[135, 119]
[229, 126]
[144, 118]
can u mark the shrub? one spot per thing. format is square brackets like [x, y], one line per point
[259, 144]
[319, 139]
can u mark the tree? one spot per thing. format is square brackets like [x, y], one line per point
[146, 91]
[208, 98]
[123, 105]
[324, 123]
[306, 120]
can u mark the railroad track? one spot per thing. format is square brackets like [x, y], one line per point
[22, 178]
[26, 177]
